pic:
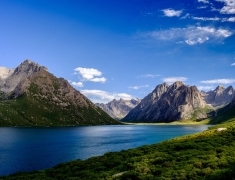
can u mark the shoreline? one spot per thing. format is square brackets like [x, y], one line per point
[204, 122]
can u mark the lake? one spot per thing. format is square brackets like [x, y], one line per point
[28, 149]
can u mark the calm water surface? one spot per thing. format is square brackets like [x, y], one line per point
[27, 149]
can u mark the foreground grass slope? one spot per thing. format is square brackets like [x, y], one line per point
[206, 155]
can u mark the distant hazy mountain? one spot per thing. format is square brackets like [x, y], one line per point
[118, 109]
[220, 96]
[169, 103]
[31, 96]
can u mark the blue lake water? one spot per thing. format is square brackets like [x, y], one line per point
[28, 149]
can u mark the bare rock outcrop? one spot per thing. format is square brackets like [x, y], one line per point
[169, 103]
[220, 96]
[24, 70]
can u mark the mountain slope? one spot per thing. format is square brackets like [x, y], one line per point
[41, 99]
[225, 114]
[220, 96]
[169, 103]
[24, 70]
[118, 109]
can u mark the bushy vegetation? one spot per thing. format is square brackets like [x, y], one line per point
[32, 109]
[224, 115]
[207, 155]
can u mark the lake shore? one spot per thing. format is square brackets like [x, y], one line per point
[183, 122]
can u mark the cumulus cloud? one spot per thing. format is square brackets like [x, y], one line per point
[89, 74]
[102, 80]
[233, 64]
[171, 80]
[171, 12]
[77, 84]
[205, 88]
[191, 35]
[138, 87]
[218, 81]
[148, 76]
[231, 19]
[204, 1]
[228, 8]
[99, 96]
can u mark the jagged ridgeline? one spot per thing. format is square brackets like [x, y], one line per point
[118, 109]
[170, 103]
[31, 96]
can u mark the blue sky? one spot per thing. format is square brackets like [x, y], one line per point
[122, 49]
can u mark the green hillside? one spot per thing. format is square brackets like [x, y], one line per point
[29, 111]
[44, 100]
[224, 115]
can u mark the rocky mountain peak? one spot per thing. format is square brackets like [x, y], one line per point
[175, 102]
[220, 96]
[119, 108]
[29, 67]
[24, 70]
[176, 85]
[230, 90]
[219, 89]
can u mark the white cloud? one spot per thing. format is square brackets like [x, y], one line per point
[88, 74]
[171, 12]
[77, 84]
[231, 19]
[138, 87]
[207, 19]
[233, 64]
[102, 80]
[191, 35]
[148, 76]
[218, 81]
[229, 7]
[204, 1]
[196, 40]
[205, 88]
[171, 80]
[99, 96]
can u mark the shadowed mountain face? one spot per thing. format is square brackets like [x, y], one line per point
[32, 96]
[118, 109]
[220, 96]
[169, 103]
[225, 114]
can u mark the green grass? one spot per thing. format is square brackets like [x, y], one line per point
[32, 110]
[224, 115]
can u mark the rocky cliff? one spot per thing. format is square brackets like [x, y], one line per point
[220, 96]
[38, 98]
[24, 70]
[169, 103]
[118, 109]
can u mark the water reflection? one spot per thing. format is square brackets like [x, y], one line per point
[27, 149]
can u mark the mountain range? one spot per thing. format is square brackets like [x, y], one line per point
[31, 96]
[167, 103]
[118, 109]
